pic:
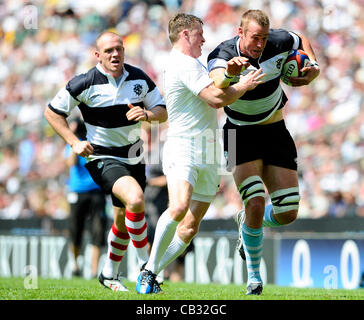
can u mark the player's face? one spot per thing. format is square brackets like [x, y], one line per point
[253, 39]
[196, 41]
[110, 54]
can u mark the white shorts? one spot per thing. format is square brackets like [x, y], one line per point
[185, 159]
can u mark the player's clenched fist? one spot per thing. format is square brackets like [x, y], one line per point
[136, 113]
[82, 148]
[236, 65]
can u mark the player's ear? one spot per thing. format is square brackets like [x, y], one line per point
[240, 31]
[97, 55]
[184, 33]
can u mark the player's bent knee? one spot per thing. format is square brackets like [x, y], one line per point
[251, 188]
[286, 217]
[178, 211]
[291, 216]
[255, 205]
[285, 204]
[135, 203]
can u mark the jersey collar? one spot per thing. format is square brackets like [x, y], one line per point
[110, 77]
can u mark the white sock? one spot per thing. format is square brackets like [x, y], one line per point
[174, 250]
[164, 232]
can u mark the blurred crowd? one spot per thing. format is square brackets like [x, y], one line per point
[44, 43]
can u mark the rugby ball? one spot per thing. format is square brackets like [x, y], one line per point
[296, 60]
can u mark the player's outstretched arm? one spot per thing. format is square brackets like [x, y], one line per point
[252, 79]
[218, 98]
[222, 77]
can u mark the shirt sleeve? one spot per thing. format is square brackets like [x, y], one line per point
[216, 63]
[154, 98]
[195, 77]
[296, 40]
[219, 57]
[63, 103]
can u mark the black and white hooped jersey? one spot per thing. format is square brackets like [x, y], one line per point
[104, 103]
[259, 104]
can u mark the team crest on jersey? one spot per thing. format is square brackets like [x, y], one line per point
[138, 89]
[279, 63]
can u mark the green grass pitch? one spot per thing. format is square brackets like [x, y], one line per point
[81, 289]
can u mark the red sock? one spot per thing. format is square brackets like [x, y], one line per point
[118, 242]
[137, 227]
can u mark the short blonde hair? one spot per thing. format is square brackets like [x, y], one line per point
[257, 15]
[180, 22]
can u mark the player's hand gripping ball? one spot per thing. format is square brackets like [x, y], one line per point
[296, 60]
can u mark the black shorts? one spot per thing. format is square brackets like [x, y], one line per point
[106, 171]
[88, 205]
[271, 142]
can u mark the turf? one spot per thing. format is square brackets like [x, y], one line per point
[81, 289]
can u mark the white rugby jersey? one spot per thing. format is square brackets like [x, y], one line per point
[103, 105]
[184, 78]
[259, 104]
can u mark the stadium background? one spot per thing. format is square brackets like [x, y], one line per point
[45, 43]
